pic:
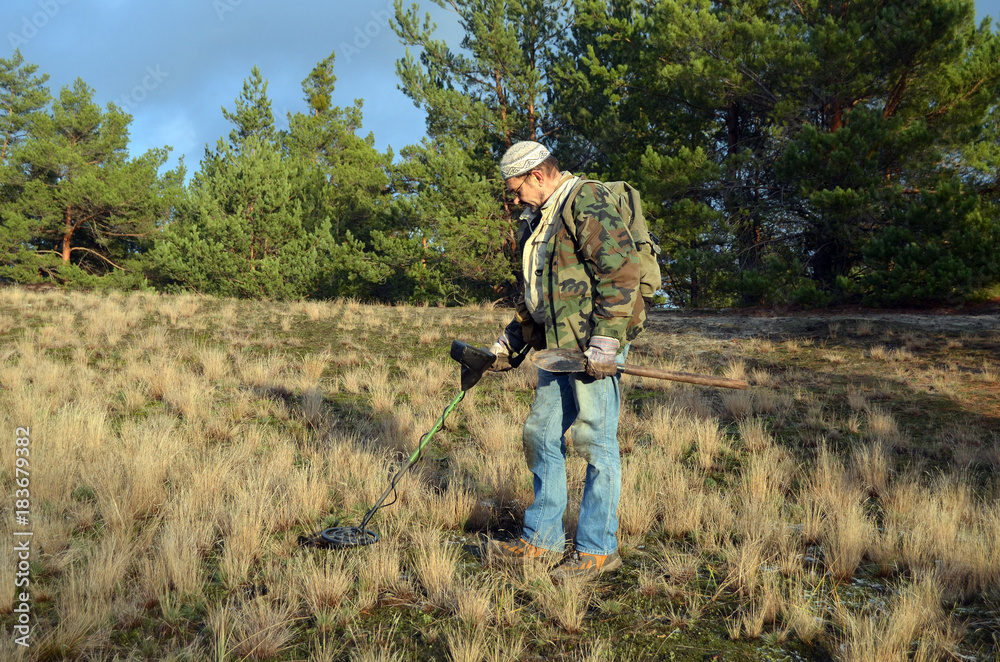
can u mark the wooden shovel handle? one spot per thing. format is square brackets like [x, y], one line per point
[672, 375]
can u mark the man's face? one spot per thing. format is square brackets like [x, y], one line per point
[525, 190]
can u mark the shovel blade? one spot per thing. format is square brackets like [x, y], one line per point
[560, 360]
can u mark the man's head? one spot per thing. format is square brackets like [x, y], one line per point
[530, 173]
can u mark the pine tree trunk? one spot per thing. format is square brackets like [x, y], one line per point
[67, 235]
[747, 222]
[695, 284]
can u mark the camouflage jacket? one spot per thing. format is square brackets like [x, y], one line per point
[590, 279]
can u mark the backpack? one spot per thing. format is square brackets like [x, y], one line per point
[646, 244]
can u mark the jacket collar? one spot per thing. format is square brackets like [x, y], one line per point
[531, 216]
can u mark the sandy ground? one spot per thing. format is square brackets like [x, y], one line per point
[777, 325]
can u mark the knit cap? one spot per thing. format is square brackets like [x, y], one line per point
[522, 157]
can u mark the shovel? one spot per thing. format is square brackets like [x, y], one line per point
[573, 360]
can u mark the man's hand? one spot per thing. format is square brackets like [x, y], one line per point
[502, 362]
[600, 355]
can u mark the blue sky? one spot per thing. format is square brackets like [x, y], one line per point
[173, 65]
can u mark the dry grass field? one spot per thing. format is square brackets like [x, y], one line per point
[844, 508]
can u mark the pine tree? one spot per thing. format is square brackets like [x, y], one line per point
[344, 183]
[897, 89]
[941, 247]
[690, 118]
[23, 95]
[479, 101]
[252, 115]
[778, 140]
[240, 230]
[84, 209]
[347, 181]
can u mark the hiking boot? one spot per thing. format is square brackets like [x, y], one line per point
[587, 566]
[520, 552]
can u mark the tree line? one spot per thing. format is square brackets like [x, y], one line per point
[809, 152]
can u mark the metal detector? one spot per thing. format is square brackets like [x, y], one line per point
[474, 362]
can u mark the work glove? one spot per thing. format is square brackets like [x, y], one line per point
[502, 352]
[600, 355]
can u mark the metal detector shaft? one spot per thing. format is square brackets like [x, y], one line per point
[475, 362]
[413, 458]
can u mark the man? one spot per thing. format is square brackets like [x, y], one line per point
[581, 290]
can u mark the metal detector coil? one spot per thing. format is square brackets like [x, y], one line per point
[339, 537]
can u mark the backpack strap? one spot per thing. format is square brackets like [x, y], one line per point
[567, 209]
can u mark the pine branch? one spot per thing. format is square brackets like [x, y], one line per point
[81, 248]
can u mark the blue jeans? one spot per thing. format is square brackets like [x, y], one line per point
[595, 405]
